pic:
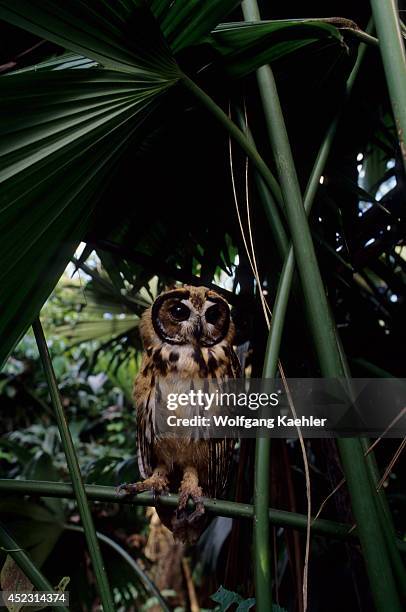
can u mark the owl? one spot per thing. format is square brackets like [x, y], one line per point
[187, 334]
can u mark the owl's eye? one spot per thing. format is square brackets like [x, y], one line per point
[213, 314]
[179, 311]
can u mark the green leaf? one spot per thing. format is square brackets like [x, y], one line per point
[111, 267]
[186, 22]
[122, 36]
[84, 331]
[63, 134]
[244, 47]
[226, 598]
[56, 162]
[246, 605]
[62, 62]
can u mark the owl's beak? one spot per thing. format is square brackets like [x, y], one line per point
[198, 330]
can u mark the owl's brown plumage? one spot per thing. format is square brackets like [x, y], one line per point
[187, 334]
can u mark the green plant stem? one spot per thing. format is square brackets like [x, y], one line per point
[324, 335]
[391, 44]
[74, 470]
[26, 565]
[369, 526]
[323, 330]
[386, 520]
[343, 24]
[262, 548]
[282, 299]
[273, 216]
[286, 278]
[322, 326]
[149, 585]
[364, 37]
[216, 507]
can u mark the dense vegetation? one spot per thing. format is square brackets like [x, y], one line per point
[108, 145]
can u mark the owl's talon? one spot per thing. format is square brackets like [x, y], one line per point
[197, 499]
[120, 488]
[197, 512]
[157, 484]
[129, 488]
[158, 491]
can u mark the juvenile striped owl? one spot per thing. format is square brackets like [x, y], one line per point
[187, 333]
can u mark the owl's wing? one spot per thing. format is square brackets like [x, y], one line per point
[145, 435]
[235, 364]
[220, 455]
[220, 451]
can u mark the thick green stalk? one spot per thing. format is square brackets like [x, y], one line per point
[365, 38]
[74, 470]
[324, 335]
[262, 548]
[272, 215]
[286, 278]
[283, 295]
[391, 44]
[369, 527]
[322, 326]
[323, 330]
[26, 565]
[386, 519]
[216, 507]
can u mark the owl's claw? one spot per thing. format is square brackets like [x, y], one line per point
[157, 484]
[190, 489]
[197, 512]
[196, 496]
[131, 488]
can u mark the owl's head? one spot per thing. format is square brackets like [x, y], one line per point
[188, 315]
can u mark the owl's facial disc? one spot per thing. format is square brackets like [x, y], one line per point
[180, 317]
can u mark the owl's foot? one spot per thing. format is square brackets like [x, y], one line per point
[196, 495]
[190, 489]
[157, 483]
